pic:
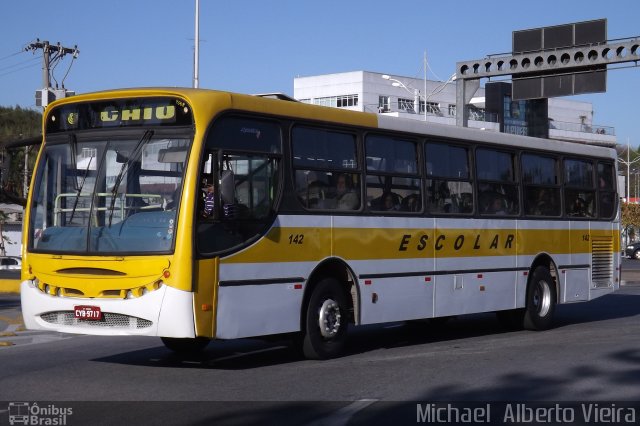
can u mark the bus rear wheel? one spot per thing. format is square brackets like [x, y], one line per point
[541, 300]
[325, 332]
[185, 346]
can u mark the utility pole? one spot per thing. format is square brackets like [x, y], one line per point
[51, 55]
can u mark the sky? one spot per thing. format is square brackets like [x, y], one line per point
[258, 46]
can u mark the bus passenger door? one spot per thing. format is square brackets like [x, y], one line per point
[205, 296]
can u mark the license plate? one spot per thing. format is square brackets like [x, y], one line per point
[87, 312]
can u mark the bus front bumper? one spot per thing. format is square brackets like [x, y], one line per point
[166, 312]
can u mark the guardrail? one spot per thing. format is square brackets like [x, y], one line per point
[120, 205]
[478, 114]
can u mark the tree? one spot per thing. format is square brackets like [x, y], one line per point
[17, 124]
[630, 219]
[3, 238]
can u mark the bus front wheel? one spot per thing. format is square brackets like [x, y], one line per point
[326, 321]
[185, 346]
[541, 300]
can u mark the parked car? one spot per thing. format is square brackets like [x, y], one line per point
[10, 262]
[633, 251]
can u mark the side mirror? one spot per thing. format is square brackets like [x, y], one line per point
[172, 155]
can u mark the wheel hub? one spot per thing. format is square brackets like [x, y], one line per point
[329, 318]
[542, 298]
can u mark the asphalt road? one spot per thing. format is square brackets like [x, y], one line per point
[591, 355]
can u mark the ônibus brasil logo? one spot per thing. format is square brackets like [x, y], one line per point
[27, 413]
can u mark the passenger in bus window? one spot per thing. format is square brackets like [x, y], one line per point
[589, 205]
[578, 207]
[209, 202]
[543, 205]
[601, 183]
[314, 194]
[490, 203]
[346, 197]
[497, 205]
[411, 203]
[390, 201]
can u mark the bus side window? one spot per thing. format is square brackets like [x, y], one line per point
[449, 184]
[579, 188]
[540, 181]
[606, 190]
[392, 174]
[326, 168]
[497, 182]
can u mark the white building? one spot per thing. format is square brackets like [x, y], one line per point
[404, 97]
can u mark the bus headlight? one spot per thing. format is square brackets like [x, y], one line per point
[134, 293]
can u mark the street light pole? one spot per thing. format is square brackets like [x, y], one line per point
[196, 52]
[416, 94]
[628, 163]
[425, 85]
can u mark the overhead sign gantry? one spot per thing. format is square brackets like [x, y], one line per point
[548, 62]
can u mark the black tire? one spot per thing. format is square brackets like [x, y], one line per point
[326, 320]
[541, 300]
[636, 255]
[512, 319]
[185, 346]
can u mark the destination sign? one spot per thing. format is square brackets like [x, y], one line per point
[136, 112]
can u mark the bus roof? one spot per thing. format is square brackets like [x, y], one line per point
[484, 136]
[207, 101]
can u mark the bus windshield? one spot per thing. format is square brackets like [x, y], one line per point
[113, 193]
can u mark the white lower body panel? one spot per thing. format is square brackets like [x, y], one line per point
[258, 310]
[166, 312]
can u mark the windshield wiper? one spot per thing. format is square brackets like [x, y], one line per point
[73, 145]
[125, 166]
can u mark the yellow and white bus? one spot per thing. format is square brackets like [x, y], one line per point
[196, 215]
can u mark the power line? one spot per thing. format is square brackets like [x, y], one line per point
[12, 55]
[18, 64]
[18, 69]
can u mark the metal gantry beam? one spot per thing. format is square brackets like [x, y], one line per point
[544, 62]
[551, 60]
